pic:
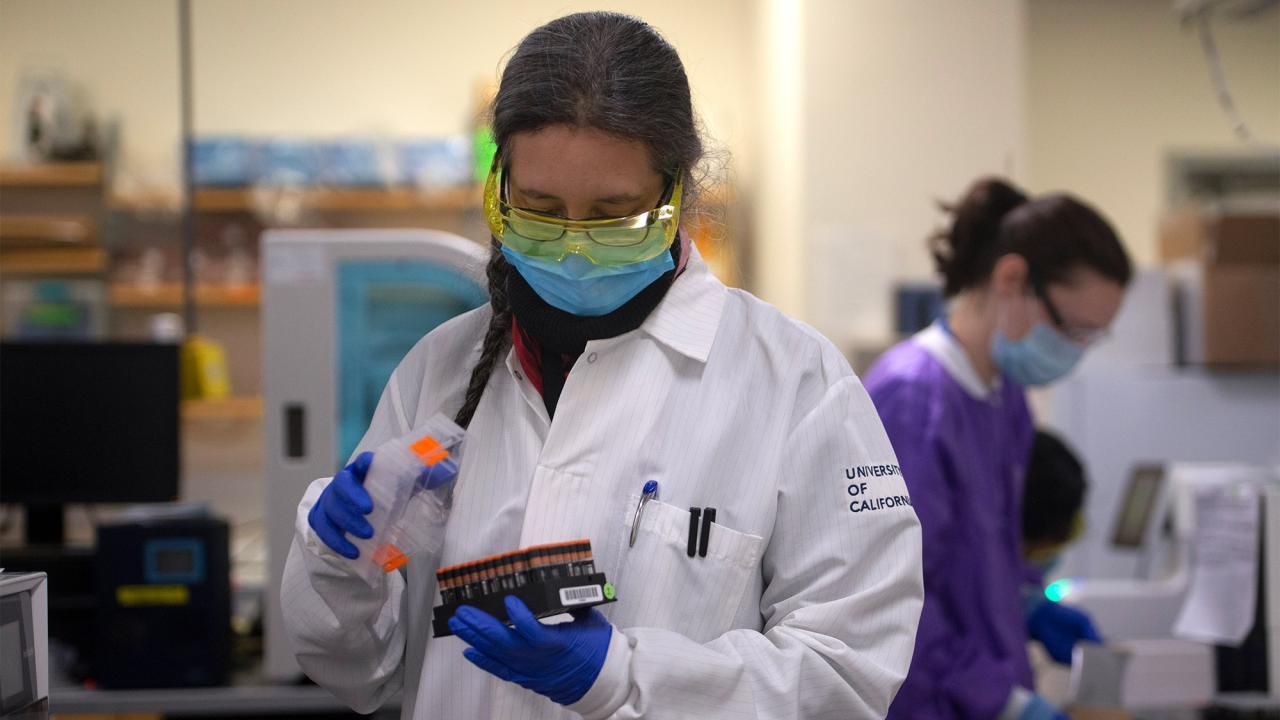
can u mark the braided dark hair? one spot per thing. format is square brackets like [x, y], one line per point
[601, 70]
[495, 338]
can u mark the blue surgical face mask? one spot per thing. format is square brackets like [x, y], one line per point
[1039, 358]
[580, 287]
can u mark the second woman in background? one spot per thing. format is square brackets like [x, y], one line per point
[1031, 284]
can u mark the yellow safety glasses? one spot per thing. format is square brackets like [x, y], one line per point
[611, 241]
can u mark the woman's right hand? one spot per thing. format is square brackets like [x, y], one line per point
[341, 508]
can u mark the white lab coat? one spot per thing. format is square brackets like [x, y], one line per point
[803, 607]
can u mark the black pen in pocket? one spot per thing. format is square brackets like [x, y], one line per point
[708, 517]
[693, 530]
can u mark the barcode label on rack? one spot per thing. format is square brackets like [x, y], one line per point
[580, 595]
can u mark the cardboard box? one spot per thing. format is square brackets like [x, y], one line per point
[1241, 316]
[1227, 262]
[1222, 234]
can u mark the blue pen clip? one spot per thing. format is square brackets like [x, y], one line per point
[649, 492]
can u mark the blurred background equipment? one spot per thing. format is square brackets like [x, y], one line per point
[917, 305]
[52, 121]
[54, 310]
[82, 423]
[341, 308]
[1142, 675]
[163, 602]
[1205, 609]
[24, 646]
[87, 422]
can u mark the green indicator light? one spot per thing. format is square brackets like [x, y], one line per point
[1058, 589]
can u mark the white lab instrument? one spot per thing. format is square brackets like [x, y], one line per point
[1142, 675]
[24, 646]
[1193, 596]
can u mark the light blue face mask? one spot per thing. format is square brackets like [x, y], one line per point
[580, 287]
[1041, 357]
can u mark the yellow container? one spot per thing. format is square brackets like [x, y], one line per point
[204, 370]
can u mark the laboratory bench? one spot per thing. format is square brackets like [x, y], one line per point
[231, 701]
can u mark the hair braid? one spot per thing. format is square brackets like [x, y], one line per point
[495, 338]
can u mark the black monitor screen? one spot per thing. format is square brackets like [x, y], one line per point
[1139, 506]
[88, 422]
[17, 654]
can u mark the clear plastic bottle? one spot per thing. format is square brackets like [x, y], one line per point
[411, 484]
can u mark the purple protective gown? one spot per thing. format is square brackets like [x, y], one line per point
[963, 449]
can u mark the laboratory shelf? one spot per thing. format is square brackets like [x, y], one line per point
[247, 407]
[44, 230]
[64, 174]
[167, 204]
[53, 261]
[169, 295]
[232, 700]
[344, 199]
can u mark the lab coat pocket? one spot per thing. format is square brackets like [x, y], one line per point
[659, 585]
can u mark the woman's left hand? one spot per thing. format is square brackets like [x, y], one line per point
[558, 661]
[1059, 628]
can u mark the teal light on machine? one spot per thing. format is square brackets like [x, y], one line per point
[1058, 589]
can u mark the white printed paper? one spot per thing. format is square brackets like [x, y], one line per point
[1221, 603]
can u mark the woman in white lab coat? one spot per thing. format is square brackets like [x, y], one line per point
[609, 357]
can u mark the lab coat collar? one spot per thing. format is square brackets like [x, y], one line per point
[687, 318]
[686, 321]
[944, 348]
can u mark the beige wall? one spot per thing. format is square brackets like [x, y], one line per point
[122, 54]
[905, 103]
[319, 67]
[315, 68]
[1117, 85]
[779, 267]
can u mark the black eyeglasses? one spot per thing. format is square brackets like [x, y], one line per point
[1080, 336]
[1038, 288]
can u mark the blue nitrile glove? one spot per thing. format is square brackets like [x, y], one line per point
[1040, 709]
[1059, 628]
[559, 661]
[341, 508]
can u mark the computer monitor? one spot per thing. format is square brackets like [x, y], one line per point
[87, 423]
[1138, 508]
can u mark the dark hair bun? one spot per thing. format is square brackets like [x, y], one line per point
[966, 252]
[1056, 234]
